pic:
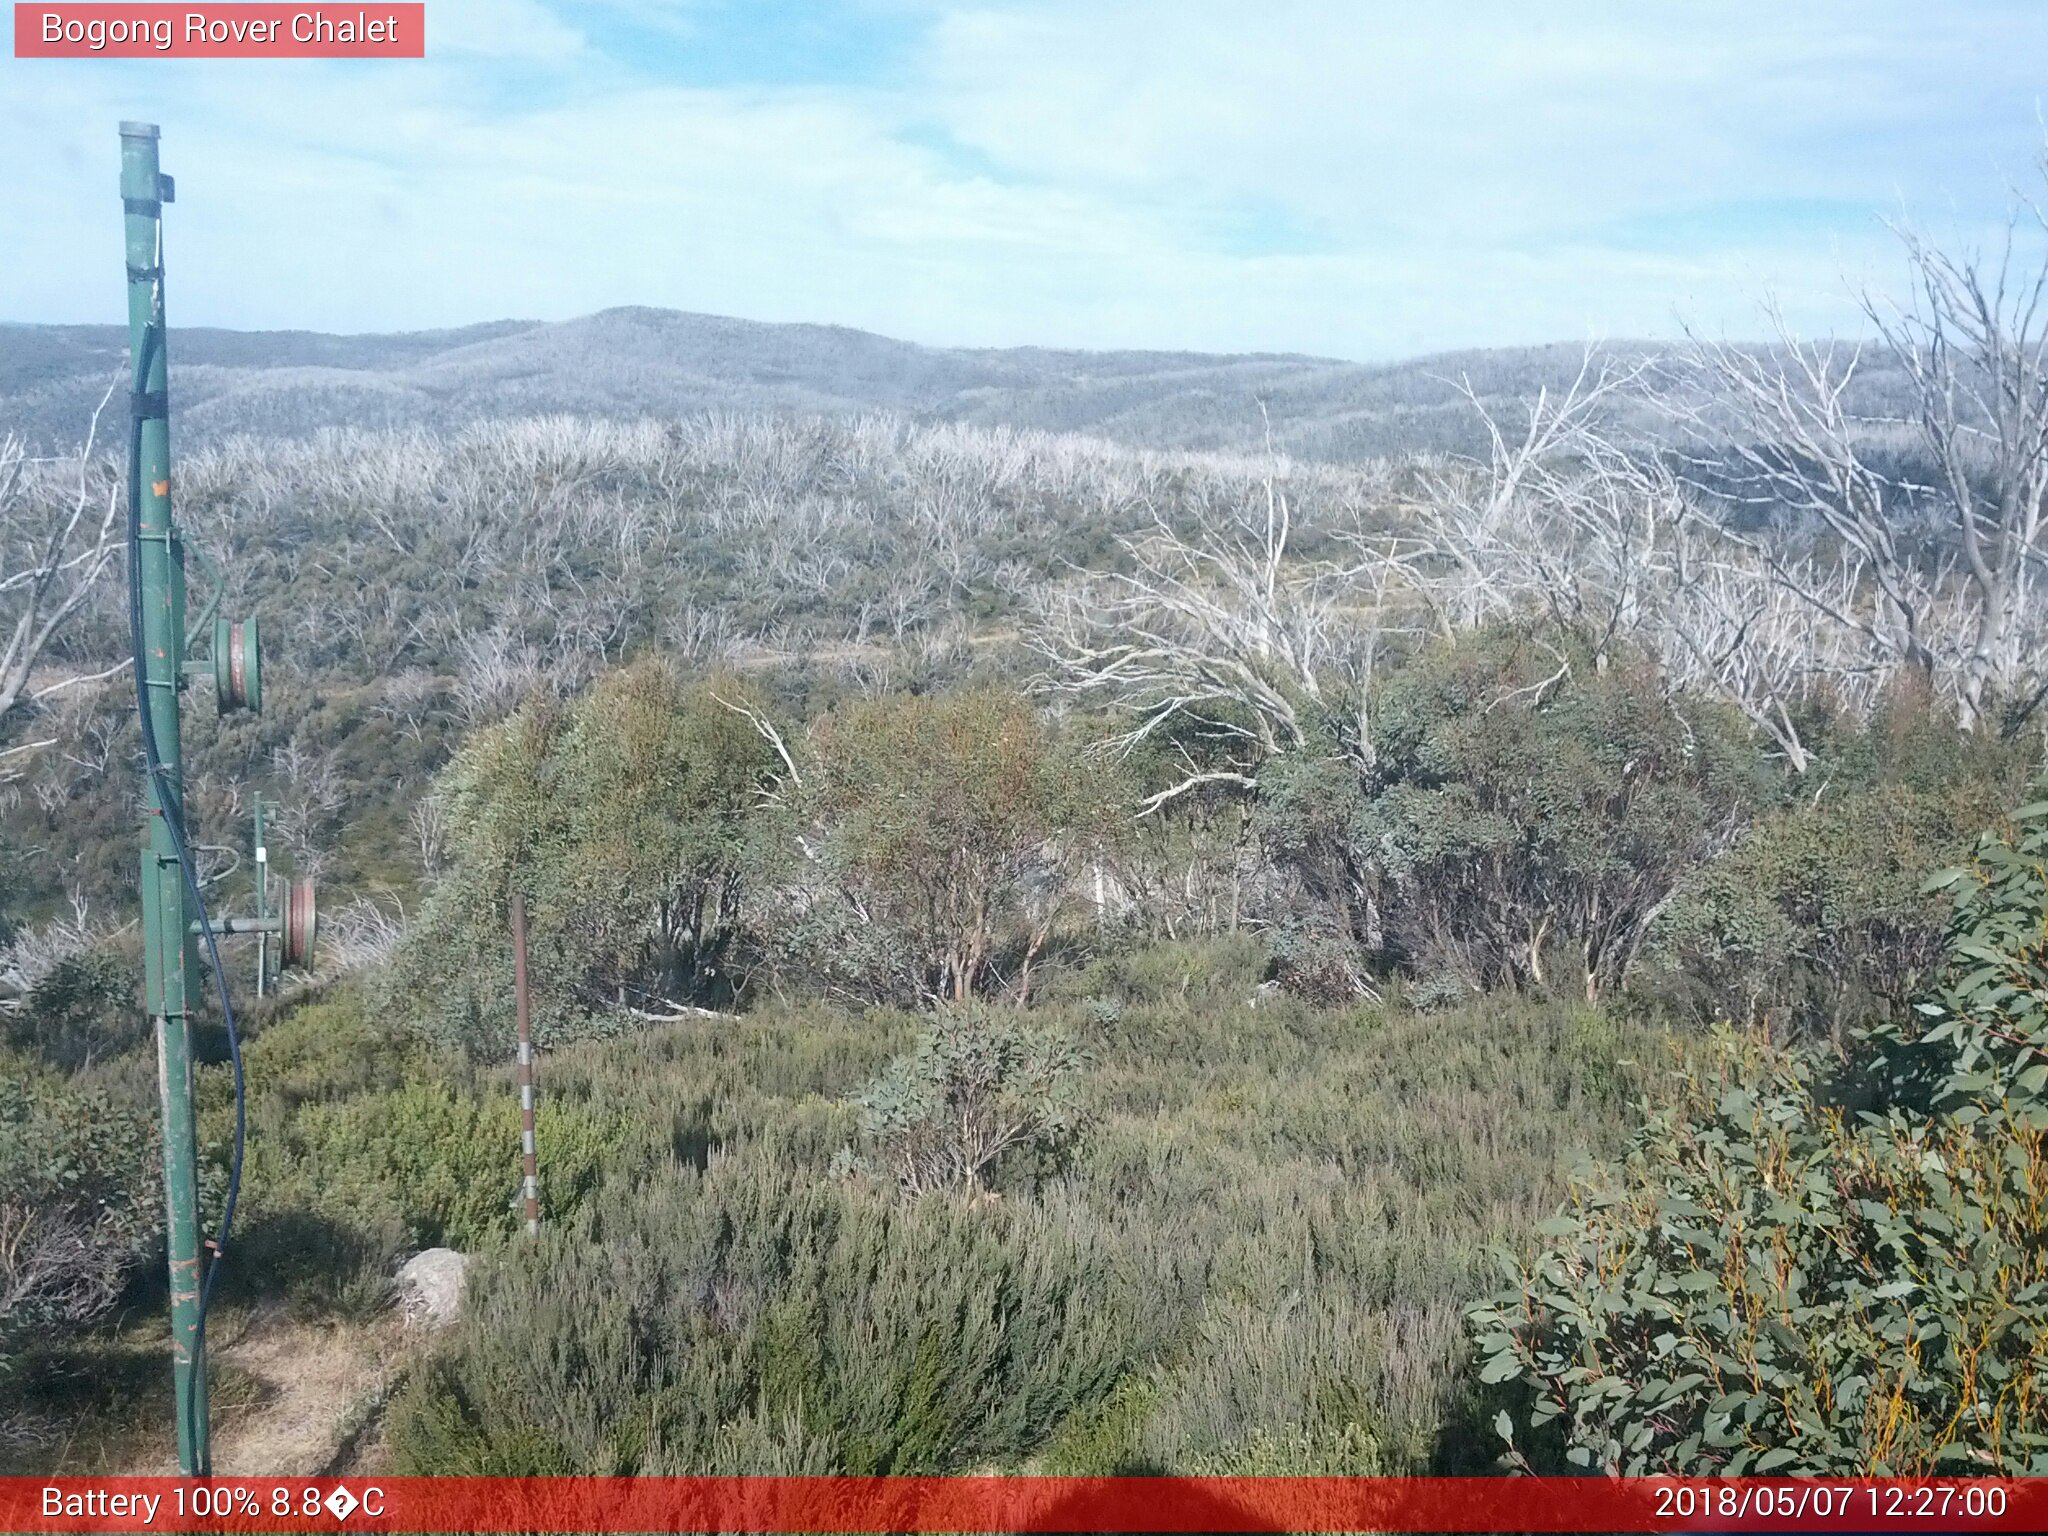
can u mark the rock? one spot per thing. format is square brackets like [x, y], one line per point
[430, 1287]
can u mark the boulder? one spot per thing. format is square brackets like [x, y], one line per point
[430, 1287]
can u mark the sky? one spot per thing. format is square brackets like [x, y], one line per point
[1346, 178]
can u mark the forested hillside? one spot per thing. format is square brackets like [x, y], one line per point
[633, 364]
[1054, 952]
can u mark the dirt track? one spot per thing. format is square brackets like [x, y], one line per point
[318, 1381]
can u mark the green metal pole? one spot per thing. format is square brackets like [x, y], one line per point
[170, 964]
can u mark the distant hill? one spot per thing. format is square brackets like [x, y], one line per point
[652, 362]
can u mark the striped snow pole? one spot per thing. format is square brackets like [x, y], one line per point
[528, 1154]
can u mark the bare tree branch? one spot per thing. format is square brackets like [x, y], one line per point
[52, 553]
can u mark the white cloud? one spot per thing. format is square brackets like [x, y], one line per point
[1481, 119]
[500, 29]
[1356, 180]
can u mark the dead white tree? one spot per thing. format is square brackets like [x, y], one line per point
[34, 953]
[1974, 341]
[1776, 435]
[363, 934]
[1219, 624]
[1724, 624]
[1481, 540]
[429, 822]
[1219, 628]
[58, 536]
[313, 792]
[408, 699]
[496, 674]
[1608, 539]
[1965, 459]
[58, 1262]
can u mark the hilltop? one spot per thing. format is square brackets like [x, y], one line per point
[638, 362]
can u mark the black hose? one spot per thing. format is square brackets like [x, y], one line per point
[172, 810]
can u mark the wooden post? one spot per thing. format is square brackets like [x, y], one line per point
[528, 1154]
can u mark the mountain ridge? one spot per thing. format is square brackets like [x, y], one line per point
[636, 361]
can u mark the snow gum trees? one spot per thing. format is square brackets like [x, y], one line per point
[626, 818]
[944, 837]
[1459, 749]
[672, 844]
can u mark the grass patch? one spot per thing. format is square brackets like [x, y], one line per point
[102, 1402]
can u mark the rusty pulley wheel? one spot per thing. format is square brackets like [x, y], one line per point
[301, 920]
[238, 665]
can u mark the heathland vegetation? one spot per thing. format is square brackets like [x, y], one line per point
[1055, 954]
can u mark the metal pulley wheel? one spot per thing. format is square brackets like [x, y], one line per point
[301, 920]
[238, 665]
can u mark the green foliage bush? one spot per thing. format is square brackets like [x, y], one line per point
[1802, 1276]
[84, 1010]
[1258, 1257]
[1818, 920]
[1222, 972]
[927, 1337]
[364, 1144]
[981, 1084]
[626, 817]
[1326, 932]
[1533, 809]
[80, 1203]
[654, 784]
[1523, 814]
[953, 828]
[450, 1159]
[926, 848]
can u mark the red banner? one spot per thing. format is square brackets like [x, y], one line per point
[857, 1504]
[372, 30]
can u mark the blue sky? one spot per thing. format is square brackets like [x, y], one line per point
[1345, 177]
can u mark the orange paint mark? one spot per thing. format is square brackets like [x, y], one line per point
[160, 487]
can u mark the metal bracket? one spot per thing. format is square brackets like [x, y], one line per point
[204, 623]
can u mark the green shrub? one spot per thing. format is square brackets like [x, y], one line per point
[364, 1144]
[1277, 1209]
[1202, 975]
[627, 818]
[916, 1338]
[953, 830]
[1289, 1384]
[981, 1083]
[449, 1160]
[1818, 920]
[1522, 818]
[327, 1050]
[1796, 1276]
[83, 1010]
[80, 1201]
[1102, 1439]
[1533, 810]
[1325, 933]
